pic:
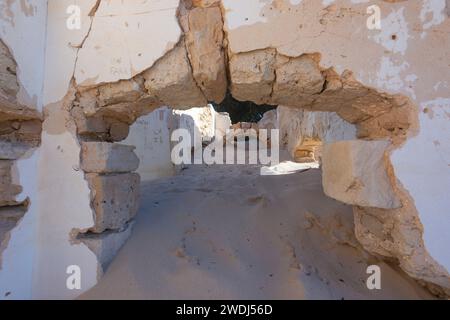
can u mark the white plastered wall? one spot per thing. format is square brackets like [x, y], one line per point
[416, 64]
[49, 55]
[22, 29]
[150, 134]
[409, 55]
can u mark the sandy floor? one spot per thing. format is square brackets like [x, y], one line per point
[225, 232]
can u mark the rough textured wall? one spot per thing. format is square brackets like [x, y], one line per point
[151, 135]
[303, 132]
[408, 56]
[22, 45]
[391, 84]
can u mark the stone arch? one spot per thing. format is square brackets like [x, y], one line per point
[201, 69]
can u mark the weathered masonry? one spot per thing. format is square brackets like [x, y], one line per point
[69, 96]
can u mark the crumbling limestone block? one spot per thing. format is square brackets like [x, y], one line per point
[205, 3]
[5, 171]
[8, 190]
[355, 172]
[269, 120]
[85, 123]
[115, 199]
[265, 77]
[12, 150]
[252, 75]
[118, 92]
[7, 127]
[9, 217]
[106, 245]
[21, 131]
[88, 101]
[8, 79]
[8, 194]
[204, 42]
[11, 111]
[296, 78]
[309, 151]
[398, 233]
[394, 124]
[104, 157]
[123, 101]
[29, 128]
[99, 127]
[118, 131]
[171, 80]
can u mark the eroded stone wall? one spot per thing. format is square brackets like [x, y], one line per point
[388, 84]
[20, 130]
[276, 75]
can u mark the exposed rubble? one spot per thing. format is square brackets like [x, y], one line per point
[8, 190]
[20, 131]
[195, 71]
[204, 42]
[252, 75]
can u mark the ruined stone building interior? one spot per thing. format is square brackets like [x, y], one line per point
[345, 103]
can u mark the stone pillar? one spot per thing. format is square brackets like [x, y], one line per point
[114, 188]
